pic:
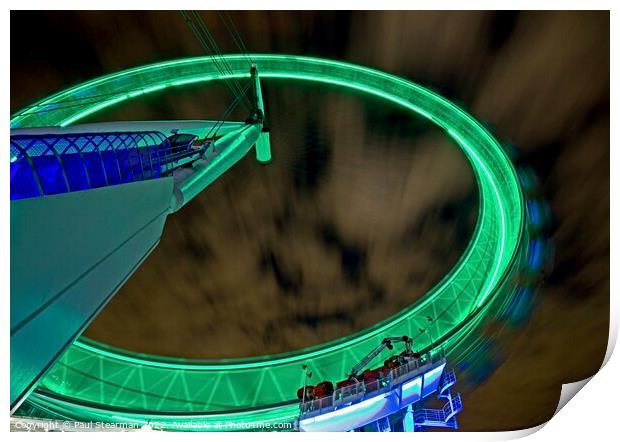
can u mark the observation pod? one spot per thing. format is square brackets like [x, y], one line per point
[391, 403]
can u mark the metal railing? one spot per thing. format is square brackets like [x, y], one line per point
[439, 417]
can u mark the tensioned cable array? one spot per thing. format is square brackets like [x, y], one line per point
[200, 30]
[232, 29]
[206, 40]
[228, 111]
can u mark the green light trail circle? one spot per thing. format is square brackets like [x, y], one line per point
[93, 381]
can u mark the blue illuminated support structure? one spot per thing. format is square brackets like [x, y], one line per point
[52, 160]
[388, 404]
[44, 165]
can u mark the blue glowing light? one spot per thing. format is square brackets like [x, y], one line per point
[52, 164]
[534, 212]
[536, 254]
[352, 416]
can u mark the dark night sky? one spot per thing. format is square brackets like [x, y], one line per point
[364, 208]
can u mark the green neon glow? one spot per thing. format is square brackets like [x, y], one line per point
[92, 110]
[464, 145]
[263, 148]
[98, 382]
